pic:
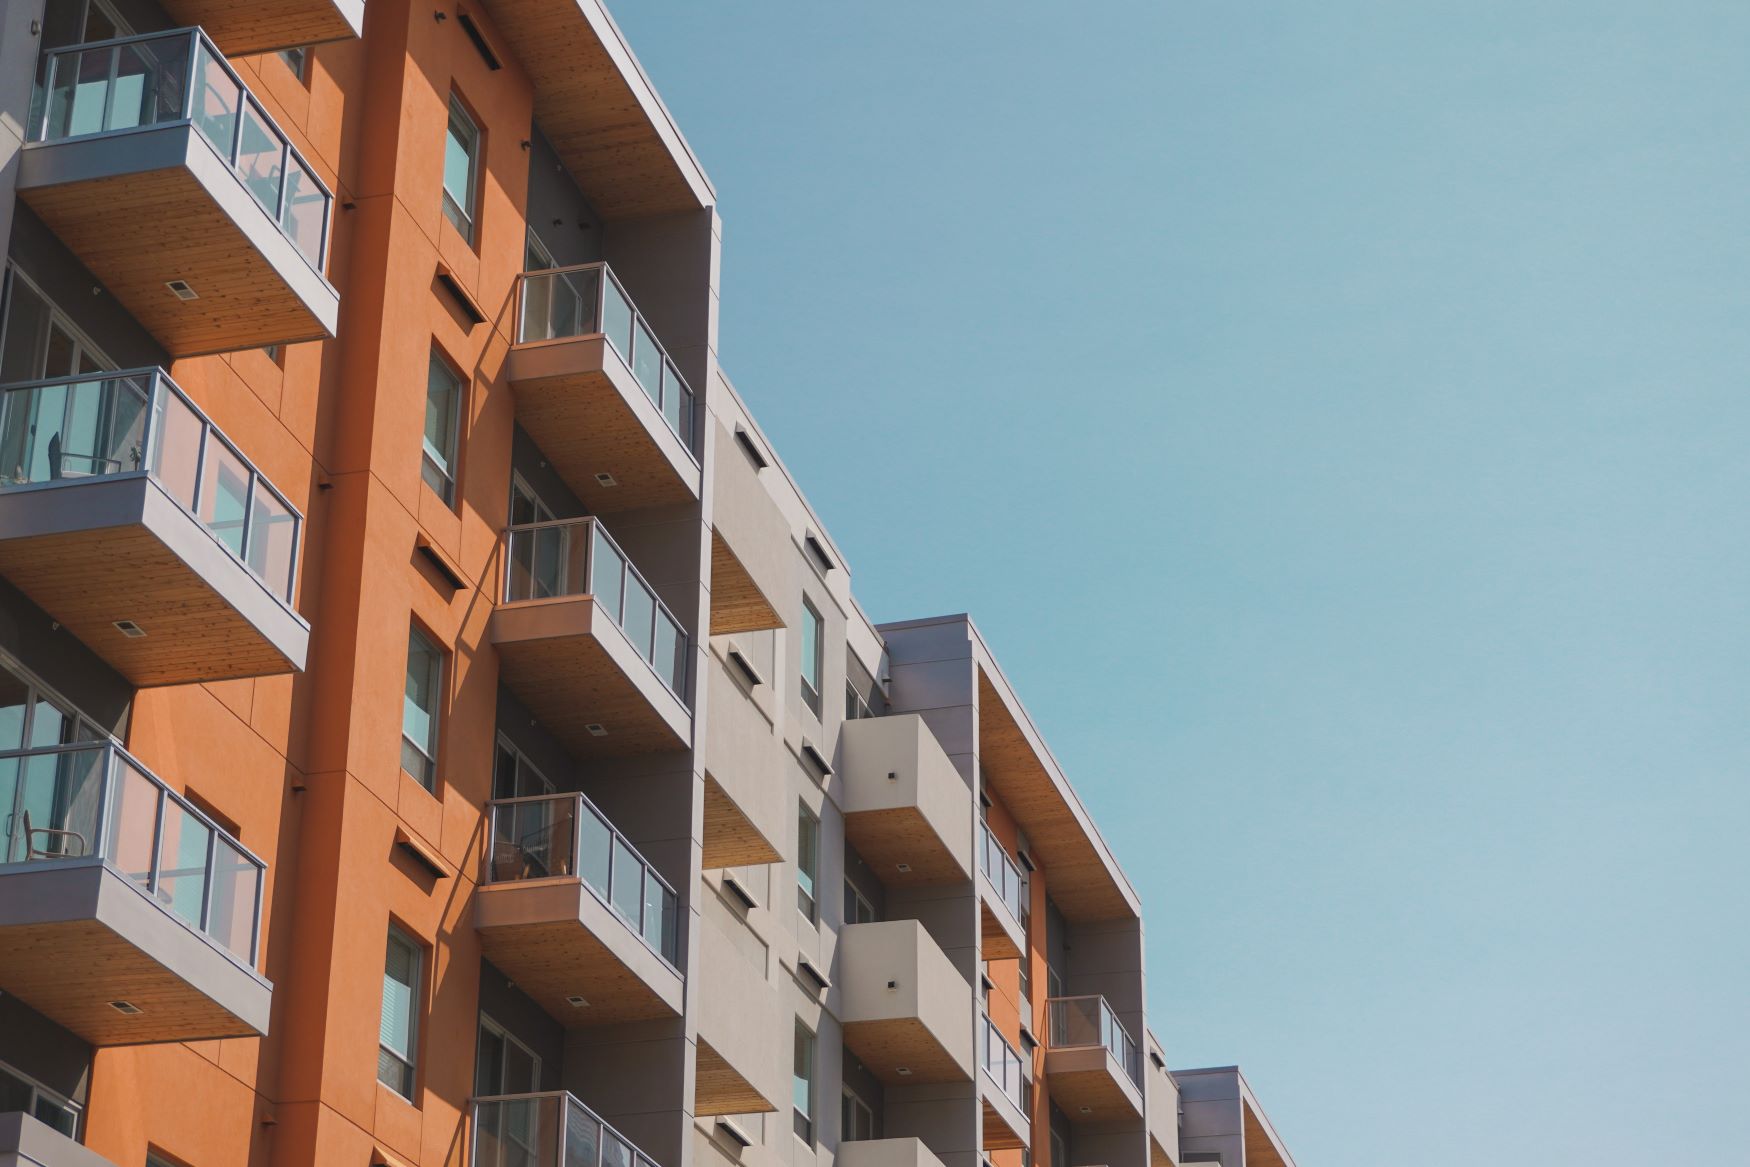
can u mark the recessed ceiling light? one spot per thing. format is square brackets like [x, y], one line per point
[902, 1071]
[126, 1007]
[576, 1002]
[903, 867]
[1087, 1110]
[597, 729]
[181, 290]
[129, 629]
[606, 479]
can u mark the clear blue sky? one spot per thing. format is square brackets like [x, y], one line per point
[1335, 414]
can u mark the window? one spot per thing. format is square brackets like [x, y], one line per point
[18, 1092]
[856, 1120]
[802, 1084]
[811, 656]
[398, 1032]
[856, 709]
[443, 409]
[502, 1064]
[419, 709]
[858, 909]
[807, 859]
[1059, 1148]
[461, 169]
[298, 61]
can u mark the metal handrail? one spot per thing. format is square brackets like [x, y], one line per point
[231, 152]
[1090, 1022]
[627, 348]
[102, 822]
[145, 456]
[561, 1128]
[675, 682]
[669, 950]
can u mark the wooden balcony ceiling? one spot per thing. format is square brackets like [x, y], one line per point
[998, 1134]
[88, 580]
[554, 961]
[179, 232]
[1261, 1148]
[731, 839]
[1082, 884]
[884, 1046]
[1091, 1078]
[70, 972]
[737, 604]
[722, 1090]
[902, 834]
[594, 104]
[242, 27]
[994, 939]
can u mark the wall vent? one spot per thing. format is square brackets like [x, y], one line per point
[128, 1008]
[129, 629]
[181, 290]
[597, 729]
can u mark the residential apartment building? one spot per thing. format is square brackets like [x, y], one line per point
[436, 729]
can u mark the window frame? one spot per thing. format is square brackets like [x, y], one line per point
[486, 1022]
[812, 621]
[804, 1076]
[443, 477]
[856, 904]
[427, 752]
[465, 219]
[851, 1107]
[408, 1060]
[40, 1094]
[808, 862]
[296, 58]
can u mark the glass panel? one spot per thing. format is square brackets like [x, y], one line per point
[182, 863]
[261, 158]
[640, 612]
[133, 819]
[14, 701]
[273, 540]
[583, 1137]
[658, 909]
[224, 493]
[674, 404]
[616, 1152]
[177, 432]
[607, 573]
[231, 917]
[595, 849]
[647, 360]
[617, 318]
[217, 102]
[670, 664]
[305, 217]
[627, 892]
[559, 304]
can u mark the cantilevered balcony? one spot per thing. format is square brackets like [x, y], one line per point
[907, 1011]
[547, 1130]
[27, 1142]
[908, 812]
[153, 164]
[128, 517]
[1092, 1064]
[1004, 1090]
[241, 27]
[126, 915]
[1002, 894]
[598, 393]
[575, 915]
[585, 643]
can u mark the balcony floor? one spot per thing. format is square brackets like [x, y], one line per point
[1091, 1078]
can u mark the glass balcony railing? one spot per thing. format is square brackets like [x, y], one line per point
[547, 1130]
[1004, 873]
[1003, 1064]
[173, 78]
[91, 803]
[547, 836]
[73, 429]
[577, 557]
[587, 300]
[1089, 1022]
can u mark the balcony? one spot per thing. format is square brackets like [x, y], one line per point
[907, 1152]
[908, 812]
[597, 392]
[1092, 1064]
[584, 642]
[744, 1056]
[128, 517]
[906, 1009]
[28, 1143]
[1002, 900]
[126, 915]
[151, 161]
[746, 813]
[575, 915]
[547, 1130]
[242, 27]
[1163, 1109]
[1004, 1090]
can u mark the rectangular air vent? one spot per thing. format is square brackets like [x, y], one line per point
[181, 290]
